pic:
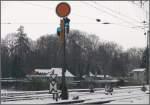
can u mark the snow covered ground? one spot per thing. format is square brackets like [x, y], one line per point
[122, 95]
[135, 100]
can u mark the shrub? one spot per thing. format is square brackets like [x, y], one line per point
[36, 84]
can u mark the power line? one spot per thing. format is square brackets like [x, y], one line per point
[37, 5]
[56, 23]
[79, 23]
[100, 10]
[116, 12]
[6, 23]
[90, 18]
[75, 14]
[144, 11]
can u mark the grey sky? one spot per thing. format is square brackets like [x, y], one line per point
[39, 18]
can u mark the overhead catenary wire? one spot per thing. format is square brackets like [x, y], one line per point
[100, 10]
[56, 23]
[141, 7]
[104, 11]
[91, 18]
[75, 14]
[116, 12]
[77, 23]
[37, 5]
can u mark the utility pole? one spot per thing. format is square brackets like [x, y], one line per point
[64, 87]
[146, 33]
[148, 57]
[149, 52]
[145, 9]
[63, 10]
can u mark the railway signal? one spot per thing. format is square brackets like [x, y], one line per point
[53, 83]
[66, 24]
[63, 10]
[58, 31]
[62, 33]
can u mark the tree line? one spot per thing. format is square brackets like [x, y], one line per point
[85, 53]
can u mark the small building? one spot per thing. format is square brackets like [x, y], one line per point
[91, 76]
[102, 77]
[139, 75]
[88, 77]
[69, 76]
[44, 74]
[98, 80]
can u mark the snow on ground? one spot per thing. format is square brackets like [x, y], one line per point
[124, 95]
[40, 100]
[37, 101]
[137, 100]
[13, 91]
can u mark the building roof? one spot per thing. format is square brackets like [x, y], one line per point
[57, 71]
[42, 70]
[107, 81]
[92, 75]
[102, 76]
[138, 70]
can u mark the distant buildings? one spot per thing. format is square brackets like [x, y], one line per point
[44, 74]
[71, 80]
[139, 75]
[99, 80]
[91, 76]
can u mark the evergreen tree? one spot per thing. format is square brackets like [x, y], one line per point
[19, 52]
[17, 72]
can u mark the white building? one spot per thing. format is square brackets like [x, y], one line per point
[91, 76]
[44, 74]
[98, 80]
[139, 75]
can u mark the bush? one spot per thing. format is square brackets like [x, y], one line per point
[36, 84]
[143, 88]
[121, 82]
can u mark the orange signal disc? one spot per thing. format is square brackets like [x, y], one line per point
[63, 9]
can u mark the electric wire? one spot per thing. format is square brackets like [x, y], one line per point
[125, 26]
[73, 14]
[37, 5]
[56, 23]
[116, 12]
[100, 10]
[53, 9]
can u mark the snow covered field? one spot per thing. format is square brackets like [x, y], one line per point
[123, 95]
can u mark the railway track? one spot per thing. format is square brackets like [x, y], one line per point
[44, 94]
[111, 98]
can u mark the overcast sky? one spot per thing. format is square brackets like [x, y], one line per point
[39, 18]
